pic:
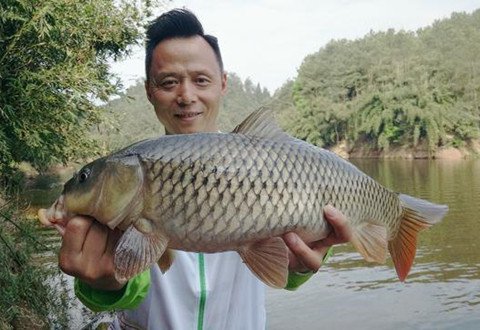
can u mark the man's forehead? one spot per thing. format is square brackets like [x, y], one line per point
[192, 42]
[193, 52]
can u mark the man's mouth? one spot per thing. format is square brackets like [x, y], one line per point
[187, 115]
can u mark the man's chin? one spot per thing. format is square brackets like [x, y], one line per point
[187, 129]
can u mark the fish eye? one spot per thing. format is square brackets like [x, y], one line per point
[83, 175]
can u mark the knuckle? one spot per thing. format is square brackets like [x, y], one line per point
[314, 264]
[92, 274]
[66, 264]
[90, 277]
[75, 227]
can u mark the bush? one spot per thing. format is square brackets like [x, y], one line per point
[27, 300]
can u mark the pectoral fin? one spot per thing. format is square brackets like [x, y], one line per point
[370, 241]
[136, 251]
[268, 260]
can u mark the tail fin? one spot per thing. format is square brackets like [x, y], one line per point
[418, 214]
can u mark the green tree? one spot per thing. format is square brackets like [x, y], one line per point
[241, 99]
[393, 88]
[54, 69]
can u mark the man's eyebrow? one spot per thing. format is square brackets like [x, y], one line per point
[161, 75]
[202, 72]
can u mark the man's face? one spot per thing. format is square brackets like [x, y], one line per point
[186, 85]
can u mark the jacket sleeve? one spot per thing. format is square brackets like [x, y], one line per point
[129, 297]
[296, 279]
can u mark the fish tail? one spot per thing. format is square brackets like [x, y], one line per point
[418, 214]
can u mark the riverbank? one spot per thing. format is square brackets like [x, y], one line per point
[471, 150]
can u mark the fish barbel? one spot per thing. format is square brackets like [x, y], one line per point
[211, 192]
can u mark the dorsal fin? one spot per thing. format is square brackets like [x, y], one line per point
[262, 124]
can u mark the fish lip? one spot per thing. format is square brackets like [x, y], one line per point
[55, 214]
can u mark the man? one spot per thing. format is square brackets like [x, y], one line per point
[185, 83]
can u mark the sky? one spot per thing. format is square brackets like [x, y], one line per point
[267, 40]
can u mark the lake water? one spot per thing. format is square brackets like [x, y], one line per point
[443, 288]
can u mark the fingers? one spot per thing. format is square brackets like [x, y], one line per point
[75, 234]
[304, 257]
[309, 257]
[87, 253]
[96, 240]
[342, 232]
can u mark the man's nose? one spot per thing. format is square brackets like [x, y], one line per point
[186, 93]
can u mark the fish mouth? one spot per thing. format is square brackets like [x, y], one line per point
[56, 215]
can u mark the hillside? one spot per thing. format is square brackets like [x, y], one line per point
[391, 90]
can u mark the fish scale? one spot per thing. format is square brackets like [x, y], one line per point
[212, 192]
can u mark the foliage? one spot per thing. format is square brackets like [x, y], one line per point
[53, 68]
[27, 301]
[129, 118]
[393, 88]
[241, 99]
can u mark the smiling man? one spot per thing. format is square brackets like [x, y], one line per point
[185, 84]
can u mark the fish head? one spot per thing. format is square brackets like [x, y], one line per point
[81, 193]
[76, 197]
[107, 189]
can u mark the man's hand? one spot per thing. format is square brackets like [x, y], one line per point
[87, 253]
[309, 257]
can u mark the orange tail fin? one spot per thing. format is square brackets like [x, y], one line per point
[418, 214]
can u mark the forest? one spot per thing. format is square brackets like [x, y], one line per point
[392, 88]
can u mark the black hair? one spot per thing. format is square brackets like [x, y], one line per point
[176, 23]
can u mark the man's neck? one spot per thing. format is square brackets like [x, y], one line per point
[212, 130]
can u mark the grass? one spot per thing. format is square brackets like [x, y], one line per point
[27, 301]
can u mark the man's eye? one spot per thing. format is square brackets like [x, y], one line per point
[203, 81]
[169, 83]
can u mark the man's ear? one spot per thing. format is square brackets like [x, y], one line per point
[147, 91]
[224, 83]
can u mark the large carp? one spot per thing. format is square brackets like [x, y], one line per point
[212, 192]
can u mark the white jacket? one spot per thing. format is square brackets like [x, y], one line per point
[200, 291]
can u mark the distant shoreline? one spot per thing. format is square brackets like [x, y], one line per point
[365, 151]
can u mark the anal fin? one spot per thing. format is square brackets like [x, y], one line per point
[268, 260]
[136, 251]
[370, 241]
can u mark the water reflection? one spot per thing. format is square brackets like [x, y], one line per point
[443, 288]
[43, 191]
